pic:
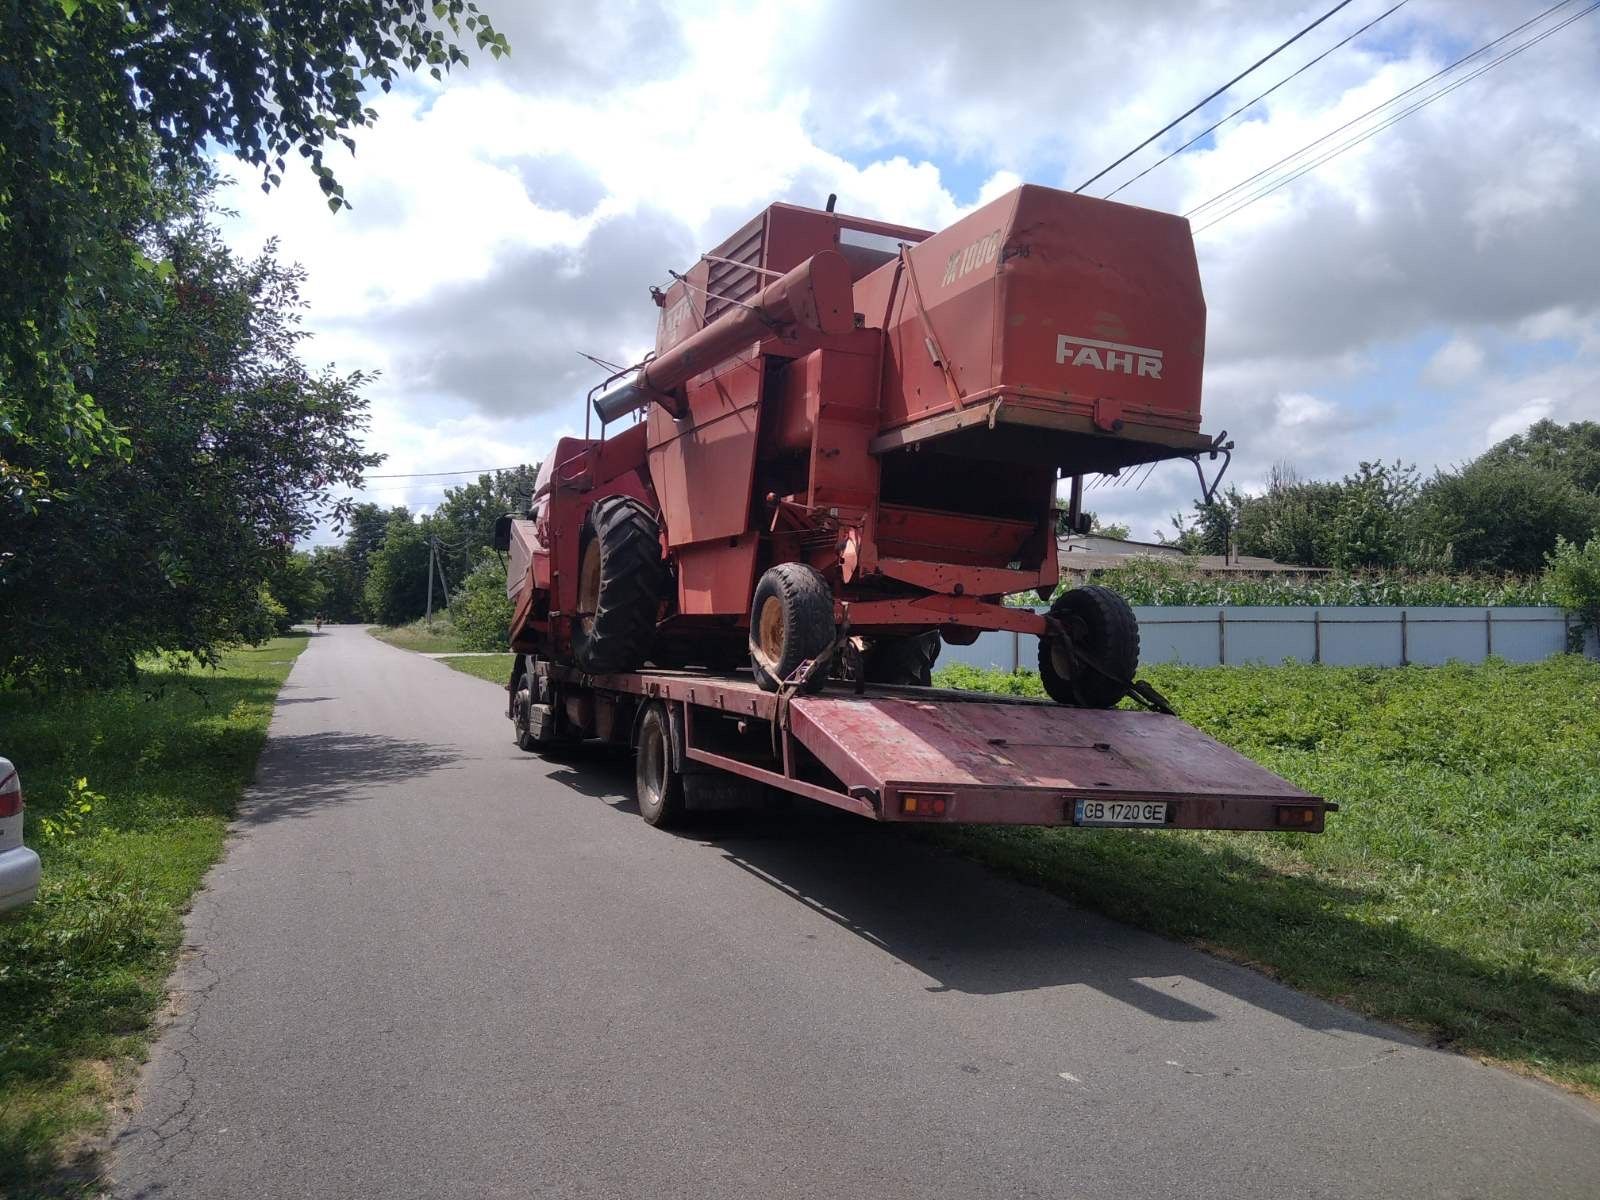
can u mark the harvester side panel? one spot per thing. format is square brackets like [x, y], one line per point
[702, 464]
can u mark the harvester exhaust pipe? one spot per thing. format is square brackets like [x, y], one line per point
[818, 295]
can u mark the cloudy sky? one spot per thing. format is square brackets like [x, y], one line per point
[1428, 292]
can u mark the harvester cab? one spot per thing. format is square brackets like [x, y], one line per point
[851, 438]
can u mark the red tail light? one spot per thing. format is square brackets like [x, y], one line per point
[10, 796]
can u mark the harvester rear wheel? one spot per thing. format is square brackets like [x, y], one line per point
[1099, 665]
[791, 620]
[903, 661]
[620, 582]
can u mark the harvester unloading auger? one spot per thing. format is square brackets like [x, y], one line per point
[851, 442]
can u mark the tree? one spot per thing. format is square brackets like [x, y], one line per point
[236, 452]
[341, 589]
[1570, 451]
[1366, 529]
[396, 588]
[1502, 515]
[295, 583]
[467, 513]
[1109, 530]
[99, 98]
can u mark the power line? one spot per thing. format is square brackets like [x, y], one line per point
[435, 474]
[1378, 107]
[1257, 99]
[1281, 47]
[1290, 176]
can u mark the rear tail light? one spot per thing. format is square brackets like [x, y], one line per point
[925, 804]
[1296, 816]
[10, 795]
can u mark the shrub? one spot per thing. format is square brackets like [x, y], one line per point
[1573, 579]
[480, 609]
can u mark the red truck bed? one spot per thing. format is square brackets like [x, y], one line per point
[923, 754]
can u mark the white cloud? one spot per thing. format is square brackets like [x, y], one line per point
[1455, 362]
[517, 213]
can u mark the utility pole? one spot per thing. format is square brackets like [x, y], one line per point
[444, 584]
[433, 553]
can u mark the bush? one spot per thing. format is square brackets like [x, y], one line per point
[1573, 579]
[480, 609]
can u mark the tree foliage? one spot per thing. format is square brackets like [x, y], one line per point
[397, 578]
[1573, 576]
[467, 514]
[1569, 451]
[1501, 515]
[1502, 512]
[97, 99]
[236, 451]
[480, 609]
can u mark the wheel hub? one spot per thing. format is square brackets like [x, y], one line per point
[770, 631]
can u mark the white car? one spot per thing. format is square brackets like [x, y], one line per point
[19, 866]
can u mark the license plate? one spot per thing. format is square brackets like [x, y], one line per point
[1119, 812]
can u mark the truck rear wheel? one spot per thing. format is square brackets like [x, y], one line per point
[791, 620]
[620, 582]
[1096, 669]
[657, 786]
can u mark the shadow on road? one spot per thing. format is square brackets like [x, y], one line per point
[303, 772]
[973, 929]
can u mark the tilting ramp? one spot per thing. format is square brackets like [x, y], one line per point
[992, 760]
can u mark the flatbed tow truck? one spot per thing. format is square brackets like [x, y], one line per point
[705, 740]
[845, 451]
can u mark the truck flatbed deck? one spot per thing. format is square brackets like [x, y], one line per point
[926, 754]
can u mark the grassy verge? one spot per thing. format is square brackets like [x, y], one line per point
[160, 767]
[496, 668]
[1458, 890]
[435, 637]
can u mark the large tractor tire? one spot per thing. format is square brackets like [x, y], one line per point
[902, 661]
[1097, 668]
[621, 579]
[791, 620]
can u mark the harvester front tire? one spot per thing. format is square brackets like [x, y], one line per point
[903, 661]
[791, 620]
[627, 582]
[1104, 629]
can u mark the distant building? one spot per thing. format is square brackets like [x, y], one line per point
[1082, 555]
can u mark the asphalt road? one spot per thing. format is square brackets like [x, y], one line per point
[433, 966]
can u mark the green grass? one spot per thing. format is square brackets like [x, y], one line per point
[1457, 892]
[436, 637]
[496, 668]
[160, 766]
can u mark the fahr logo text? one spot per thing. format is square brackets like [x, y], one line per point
[1108, 356]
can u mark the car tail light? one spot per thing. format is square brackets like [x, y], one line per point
[10, 795]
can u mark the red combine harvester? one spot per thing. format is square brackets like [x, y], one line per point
[851, 440]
